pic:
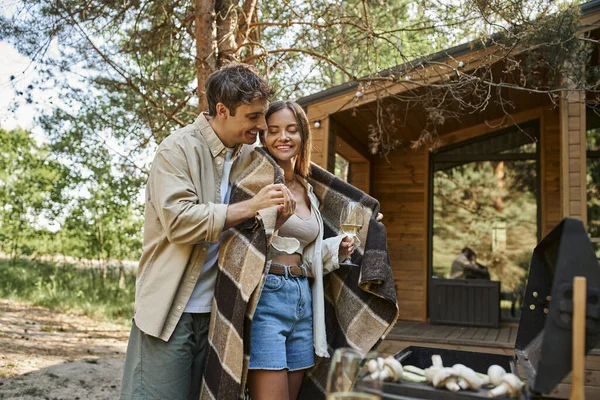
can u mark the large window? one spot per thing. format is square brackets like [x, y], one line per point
[484, 196]
[593, 177]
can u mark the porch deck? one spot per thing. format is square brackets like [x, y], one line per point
[487, 340]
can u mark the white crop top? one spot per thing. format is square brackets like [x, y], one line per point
[303, 229]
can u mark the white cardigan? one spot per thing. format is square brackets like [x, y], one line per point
[322, 257]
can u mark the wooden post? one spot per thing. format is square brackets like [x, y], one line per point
[579, 312]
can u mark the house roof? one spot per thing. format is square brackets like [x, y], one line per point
[452, 52]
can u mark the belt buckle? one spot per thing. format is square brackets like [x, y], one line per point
[289, 268]
[304, 269]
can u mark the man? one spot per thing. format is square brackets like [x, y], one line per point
[186, 212]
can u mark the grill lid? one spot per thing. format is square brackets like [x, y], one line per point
[544, 339]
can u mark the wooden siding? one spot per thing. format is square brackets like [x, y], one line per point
[360, 175]
[573, 157]
[399, 184]
[550, 169]
[321, 138]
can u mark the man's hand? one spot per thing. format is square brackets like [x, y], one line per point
[288, 207]
[269, 196]
[379, 217]
[347, 246]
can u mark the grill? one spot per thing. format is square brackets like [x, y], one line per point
[543, 349]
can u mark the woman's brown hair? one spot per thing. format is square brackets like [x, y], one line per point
[302, 166]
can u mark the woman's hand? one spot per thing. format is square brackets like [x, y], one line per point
[347, 246]
[287, 209]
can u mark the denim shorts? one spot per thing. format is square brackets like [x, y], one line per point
[282, 326]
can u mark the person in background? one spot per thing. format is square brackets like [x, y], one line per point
[465, 266]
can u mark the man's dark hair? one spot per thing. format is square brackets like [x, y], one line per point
[468, 253]
[233, 85]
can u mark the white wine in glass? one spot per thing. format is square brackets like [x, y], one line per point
[352, 220]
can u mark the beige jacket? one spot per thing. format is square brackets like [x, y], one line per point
[183, 215]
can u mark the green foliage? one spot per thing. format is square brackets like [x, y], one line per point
[30, 182]
[68, 288]
[98, 216]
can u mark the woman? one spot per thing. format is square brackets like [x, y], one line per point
[284, 338]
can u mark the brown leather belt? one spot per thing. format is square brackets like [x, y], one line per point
[291, 270]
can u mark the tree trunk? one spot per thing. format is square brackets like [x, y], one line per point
[226, 14]
[206, 61]
[248, 17]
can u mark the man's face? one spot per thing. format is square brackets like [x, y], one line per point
[245, 125]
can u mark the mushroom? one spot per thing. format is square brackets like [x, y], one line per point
[510, 386]
[446, 377]
[467, 378]
[437, 364]
[430, 373]
[388, 368]
[391, 369]
[496, 372]
[375, 366]
[436, 361]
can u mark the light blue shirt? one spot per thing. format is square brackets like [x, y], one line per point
[202, 296]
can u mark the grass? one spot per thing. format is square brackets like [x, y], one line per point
[69, 288]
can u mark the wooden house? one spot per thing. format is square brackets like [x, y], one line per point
[550, 139]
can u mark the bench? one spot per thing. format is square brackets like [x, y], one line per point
[468, 302]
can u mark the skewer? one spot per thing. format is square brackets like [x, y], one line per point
[578, 361]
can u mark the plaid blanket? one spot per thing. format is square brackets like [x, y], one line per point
[361, 305]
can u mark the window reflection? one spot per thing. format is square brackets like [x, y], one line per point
[485, 211]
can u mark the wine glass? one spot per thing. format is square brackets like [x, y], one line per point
[352, 220]
[348, 377]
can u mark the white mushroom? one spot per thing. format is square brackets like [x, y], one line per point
[373, 366]
[510, 386]
[391, 369]
[385, 369]
[496, 372]
[446, 377]
[430, 373]
[436, 361]
[436, 365]
[467, 378]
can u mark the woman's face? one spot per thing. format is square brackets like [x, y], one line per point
[282, 138]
